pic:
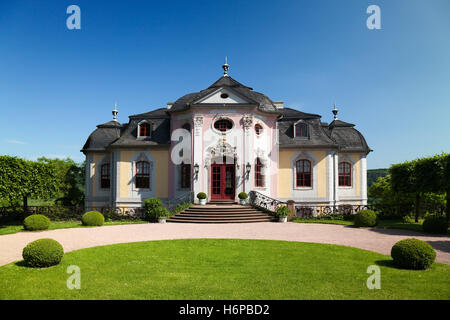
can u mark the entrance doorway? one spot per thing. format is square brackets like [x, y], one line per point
[222, 181]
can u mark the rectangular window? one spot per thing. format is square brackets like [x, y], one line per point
[185, 176]
[303, 173]
[345, 174]
[259, 176]
[142, 179]
[105, 176]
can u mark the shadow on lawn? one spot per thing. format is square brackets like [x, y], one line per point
[389, 263]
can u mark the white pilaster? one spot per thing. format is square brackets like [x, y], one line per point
[363, 179]
[198, 156]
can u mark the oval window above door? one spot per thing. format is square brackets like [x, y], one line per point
[223, 125]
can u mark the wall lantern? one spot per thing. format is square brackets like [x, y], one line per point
[196, 169]
[248, 167]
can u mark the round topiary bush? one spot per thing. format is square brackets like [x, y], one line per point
[43, 253]
[201, 195]
[243, 195]
[413, 254]
[365, 218]
[36, 222]
[93, 218]
[435, 224]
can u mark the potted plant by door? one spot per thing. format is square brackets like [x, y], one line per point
[282, 213]
[243, 198]
[162, 214]
[201, 196]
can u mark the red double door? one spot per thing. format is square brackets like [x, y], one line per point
[222, 181]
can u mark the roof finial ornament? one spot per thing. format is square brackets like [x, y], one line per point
[225, 67]
[115, 112]
[335, 112]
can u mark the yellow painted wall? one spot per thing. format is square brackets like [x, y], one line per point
[96, 158]
[285, 170]
[125, 173]
[357, 158]
[321, 173]
[161, 175]
[284, 173]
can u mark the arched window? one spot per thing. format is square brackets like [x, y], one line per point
[345, 174]
[303, 173]
[142, 175]
[105, 181]
[259, 175]
[223, 125]
[185, 181]
[144, 129]
[301, 130]
[258, 129]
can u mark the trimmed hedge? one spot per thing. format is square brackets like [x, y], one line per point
[435, 224]
[413, 254]
[36, 222]
[365, 218]
[93, 218]
[43, 253]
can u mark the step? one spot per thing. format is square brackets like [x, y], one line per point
[219, 216]
[221, 211]
[206, 208]
[216, 221]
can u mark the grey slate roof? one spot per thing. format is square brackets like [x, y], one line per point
[260, 100]
[317, 137]
[160, 126]
[348, 138]
[103, 136]
[337, 135]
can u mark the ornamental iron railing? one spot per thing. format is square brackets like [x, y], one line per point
[259, 200]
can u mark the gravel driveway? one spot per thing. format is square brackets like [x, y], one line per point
[378, 240]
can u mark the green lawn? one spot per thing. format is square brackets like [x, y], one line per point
[15, 227]
[223, 269]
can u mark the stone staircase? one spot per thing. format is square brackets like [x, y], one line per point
[221, 212]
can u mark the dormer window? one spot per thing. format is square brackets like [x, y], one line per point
[144, 129]
[300, 130]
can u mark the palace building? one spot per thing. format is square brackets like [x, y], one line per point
[224, 140]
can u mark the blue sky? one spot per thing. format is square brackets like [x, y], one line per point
[57, 84]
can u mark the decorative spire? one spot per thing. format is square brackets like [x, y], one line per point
[335, 112]
[225, 68]
[115, 112]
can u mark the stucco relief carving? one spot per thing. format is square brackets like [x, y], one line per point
[198, 123]
[247, 121]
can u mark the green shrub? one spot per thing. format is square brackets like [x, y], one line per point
[201, 195]
[36, 222]
[413, 254]
[283, 211]
[161, 212]
[435, 224]
[243, 195]
[43, 253]
[365, 218]
[181, 207]
[151, 205]
[93, 218]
